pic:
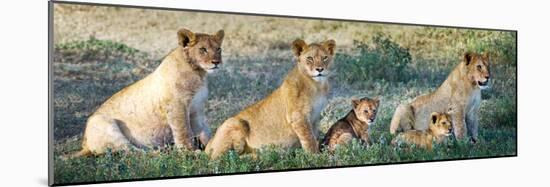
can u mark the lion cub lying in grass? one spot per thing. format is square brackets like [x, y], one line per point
[354, 125]
[439, 129]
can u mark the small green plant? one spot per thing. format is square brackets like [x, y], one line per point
[384, 60]
[501, 45]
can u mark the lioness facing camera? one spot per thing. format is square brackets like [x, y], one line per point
[165, 107]
[289, 116]
[461, 89]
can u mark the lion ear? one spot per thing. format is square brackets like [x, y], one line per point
[468, 57]
[186, 38]
[355, 102]
[219, 36]
[330, 45]
[434, 117]
[377, 101]
[298, 46]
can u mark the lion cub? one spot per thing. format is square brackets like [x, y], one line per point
[166, 107]
[439, 129]
[354, 125]
[288, 118]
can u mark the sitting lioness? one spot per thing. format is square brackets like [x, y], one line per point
[439, 129]
[354, 125]
[462, 89]
[165, 107]
[289, 116]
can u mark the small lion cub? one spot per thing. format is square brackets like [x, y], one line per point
[439, 129]
[354, 125]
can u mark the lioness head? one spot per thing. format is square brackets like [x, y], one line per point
[440, 124]
[314, 59]
[365, 109]
[203, 49]
[478, 69]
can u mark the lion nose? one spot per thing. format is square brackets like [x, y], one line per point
[320, 69]
[216, 62]
[487, 77]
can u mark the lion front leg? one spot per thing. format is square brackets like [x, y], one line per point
[305, 133]
[472, 122]
[200, 127]
[179, 122]
[364, 137]
[459, 124]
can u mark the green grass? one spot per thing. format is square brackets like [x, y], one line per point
[87, 72]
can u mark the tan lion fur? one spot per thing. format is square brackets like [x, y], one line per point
[461, 89]
[439, 129]
[288, 117]
[354, 125]
[166, 107]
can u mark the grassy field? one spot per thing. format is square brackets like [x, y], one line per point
[396, 63]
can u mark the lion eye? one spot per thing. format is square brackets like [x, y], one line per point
[366, 111]
[219, 49]
[325, 58]
[479, 67]
[203, 50]
[310, 59]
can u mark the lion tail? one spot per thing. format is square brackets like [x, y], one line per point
[82, 152]
[85, 151]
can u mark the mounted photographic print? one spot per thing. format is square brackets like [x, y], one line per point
[140, 93]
